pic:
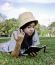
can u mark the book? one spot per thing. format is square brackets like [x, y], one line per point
[34, 49]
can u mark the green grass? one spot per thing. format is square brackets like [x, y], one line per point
[42, 58]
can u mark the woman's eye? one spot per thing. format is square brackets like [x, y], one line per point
[29, 27]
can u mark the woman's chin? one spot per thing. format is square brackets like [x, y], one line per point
[30, 34]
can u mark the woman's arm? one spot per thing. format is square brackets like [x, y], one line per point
[18, 40]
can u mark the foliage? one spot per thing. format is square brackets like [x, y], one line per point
[51, 29]
[52, 24]
[44, 32]
[9, 26]
[37, 27]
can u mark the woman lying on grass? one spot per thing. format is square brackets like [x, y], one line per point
[22, 38]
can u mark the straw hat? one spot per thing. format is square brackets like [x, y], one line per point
[26, 17]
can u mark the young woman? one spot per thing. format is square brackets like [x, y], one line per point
[22, 38]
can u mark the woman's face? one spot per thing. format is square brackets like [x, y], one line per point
[30, 29]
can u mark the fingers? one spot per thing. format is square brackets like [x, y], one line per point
[19, 36]
[22, 32]
[33, 54]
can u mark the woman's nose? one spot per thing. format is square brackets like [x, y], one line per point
[32, 29]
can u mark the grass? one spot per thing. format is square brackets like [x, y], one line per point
[42, 58]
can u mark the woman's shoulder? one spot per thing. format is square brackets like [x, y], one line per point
[35, 36]
[36, 33]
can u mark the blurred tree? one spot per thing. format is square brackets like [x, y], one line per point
[9, 26]
[52, 24]
[51, 29]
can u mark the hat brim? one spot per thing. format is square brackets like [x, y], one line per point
[34, 21]
[26, 24]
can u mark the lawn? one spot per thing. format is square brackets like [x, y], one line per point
[42, 58]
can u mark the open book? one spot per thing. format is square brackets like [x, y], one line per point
[35, 49]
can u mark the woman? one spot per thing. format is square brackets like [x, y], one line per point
[22, 38]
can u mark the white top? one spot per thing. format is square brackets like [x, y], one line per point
[10, 45]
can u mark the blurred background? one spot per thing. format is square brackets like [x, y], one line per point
[43, 10]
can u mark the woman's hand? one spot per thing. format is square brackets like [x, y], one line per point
[20, 36]
[33, 54]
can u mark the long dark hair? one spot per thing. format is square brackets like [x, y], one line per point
[27, 42]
